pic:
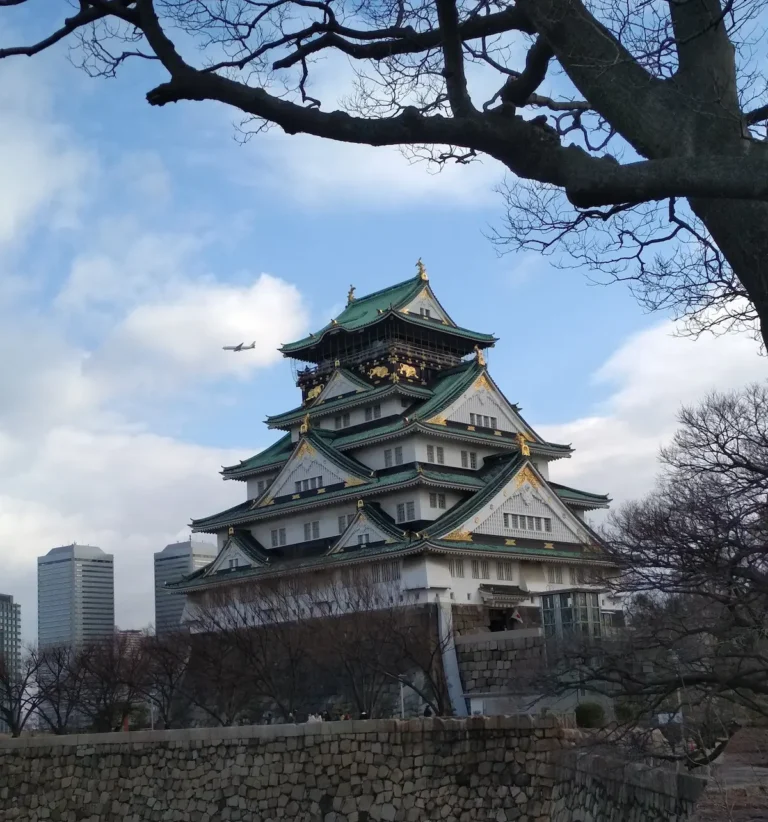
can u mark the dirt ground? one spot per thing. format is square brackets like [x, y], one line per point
[738, 787]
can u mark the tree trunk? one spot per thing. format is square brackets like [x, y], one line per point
[740, 229]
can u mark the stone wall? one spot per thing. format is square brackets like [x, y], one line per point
[471, 770]
[498, 662]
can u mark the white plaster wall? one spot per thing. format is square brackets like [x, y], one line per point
[372, 456]
[252, 484]
[420, 573]
[452, 451]
[542, 466]
[294, 525]
[425, 301]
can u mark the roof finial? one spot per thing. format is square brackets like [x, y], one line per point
[522, 441]
[422, 271]
[351, 295]
[479, 356]
[304, 424]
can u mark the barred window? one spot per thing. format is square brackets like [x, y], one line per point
[388, 458]
[440, 455]
[401, 512]
[456, 567]
[363, 539]
[505, 570]
[441, 501]
[555, 574]
[430, 453]
[433, 500]
[410, 510]
[312, 530]
[278, 537]
[373, 412]
[480, 569]
[398, 455]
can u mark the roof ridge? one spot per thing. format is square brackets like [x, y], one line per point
[414, 280]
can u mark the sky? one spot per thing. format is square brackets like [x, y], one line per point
[136, 242]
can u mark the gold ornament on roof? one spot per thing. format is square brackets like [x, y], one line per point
[480, 359]
[482, 382]
[314, 392]
[351, 295]
[422, 271]
[353, 481]
[360, 504]
[526, 475]
[305, 450]
[523, 443]
[379, 371]
[406, 370]
[459, 536]
[230, 530]
[304, 427]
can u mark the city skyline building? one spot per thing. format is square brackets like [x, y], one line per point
[10, 631]
[176, 561]
[75, 595]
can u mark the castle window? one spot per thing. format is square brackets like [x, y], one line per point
[578, 575]
[401, 512]
[555, 574]
[456, 567]
[480, 569]
[373, 412]
[436, 454]
[341, 421]
[440, 455]
[433, 500]
[233, 563]
[385, 571]
[308, 484]
[547, 524]
[430, 453]
[441, 501]
[468, 459]
[312, 530]
[410, 511]
[437, 501]
[363, 539]
[399, 455]
[344, 521]
[261, 486]
[494, 422]
[505, 570]
[278, 537]
[388, 458]
[425, 312]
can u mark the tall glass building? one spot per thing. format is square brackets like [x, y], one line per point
[75, 595]
[173, 563]
[10, 631]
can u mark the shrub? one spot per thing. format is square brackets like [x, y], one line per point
[590, 715]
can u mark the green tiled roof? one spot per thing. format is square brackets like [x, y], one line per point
[372, 308]
[276, 453]
[495, 477]
[583, 498]
[336, 403]
[344, 461]
[246, 512]
[199, 580]
[449, 386]
[513, 550]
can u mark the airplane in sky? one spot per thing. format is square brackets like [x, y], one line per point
[240, 347]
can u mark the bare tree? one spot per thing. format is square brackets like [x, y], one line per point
[162, 680]
[59, 679]
[19, 697]
[694, 574]
[113, 669]
[653, 138]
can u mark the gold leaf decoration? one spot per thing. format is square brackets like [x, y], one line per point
[482, 382]
[406, 370]
[437, 420]
[459, 536]
[353, 481]
[527, 475]
[314, 392]
[379, 371]
[510, 542]
[549, 544]
[523, 443]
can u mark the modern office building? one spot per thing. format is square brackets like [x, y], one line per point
[173, 563]
[10, 632]
[75, 595]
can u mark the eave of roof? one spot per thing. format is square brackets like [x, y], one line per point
[584, 499]
[342, 401]
[247, 512]
[270, 457]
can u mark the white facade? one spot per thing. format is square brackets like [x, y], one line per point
[174, 562]
[75, 595]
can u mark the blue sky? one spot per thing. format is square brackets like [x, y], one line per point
[136, 242]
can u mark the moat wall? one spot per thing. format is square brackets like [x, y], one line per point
[481, 768]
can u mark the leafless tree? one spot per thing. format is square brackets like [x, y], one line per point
[59, 680]
[694, 574]
[113, 669]
[163, 679]
[19, 697]
[646, 156]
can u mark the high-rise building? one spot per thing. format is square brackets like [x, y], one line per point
[75, 595]
[10, 632]
[173, 563]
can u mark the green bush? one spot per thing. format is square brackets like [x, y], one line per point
[590, 715]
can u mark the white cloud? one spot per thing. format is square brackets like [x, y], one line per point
[44, 171]
[181, 337]
[319, 172]
[653, 373]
